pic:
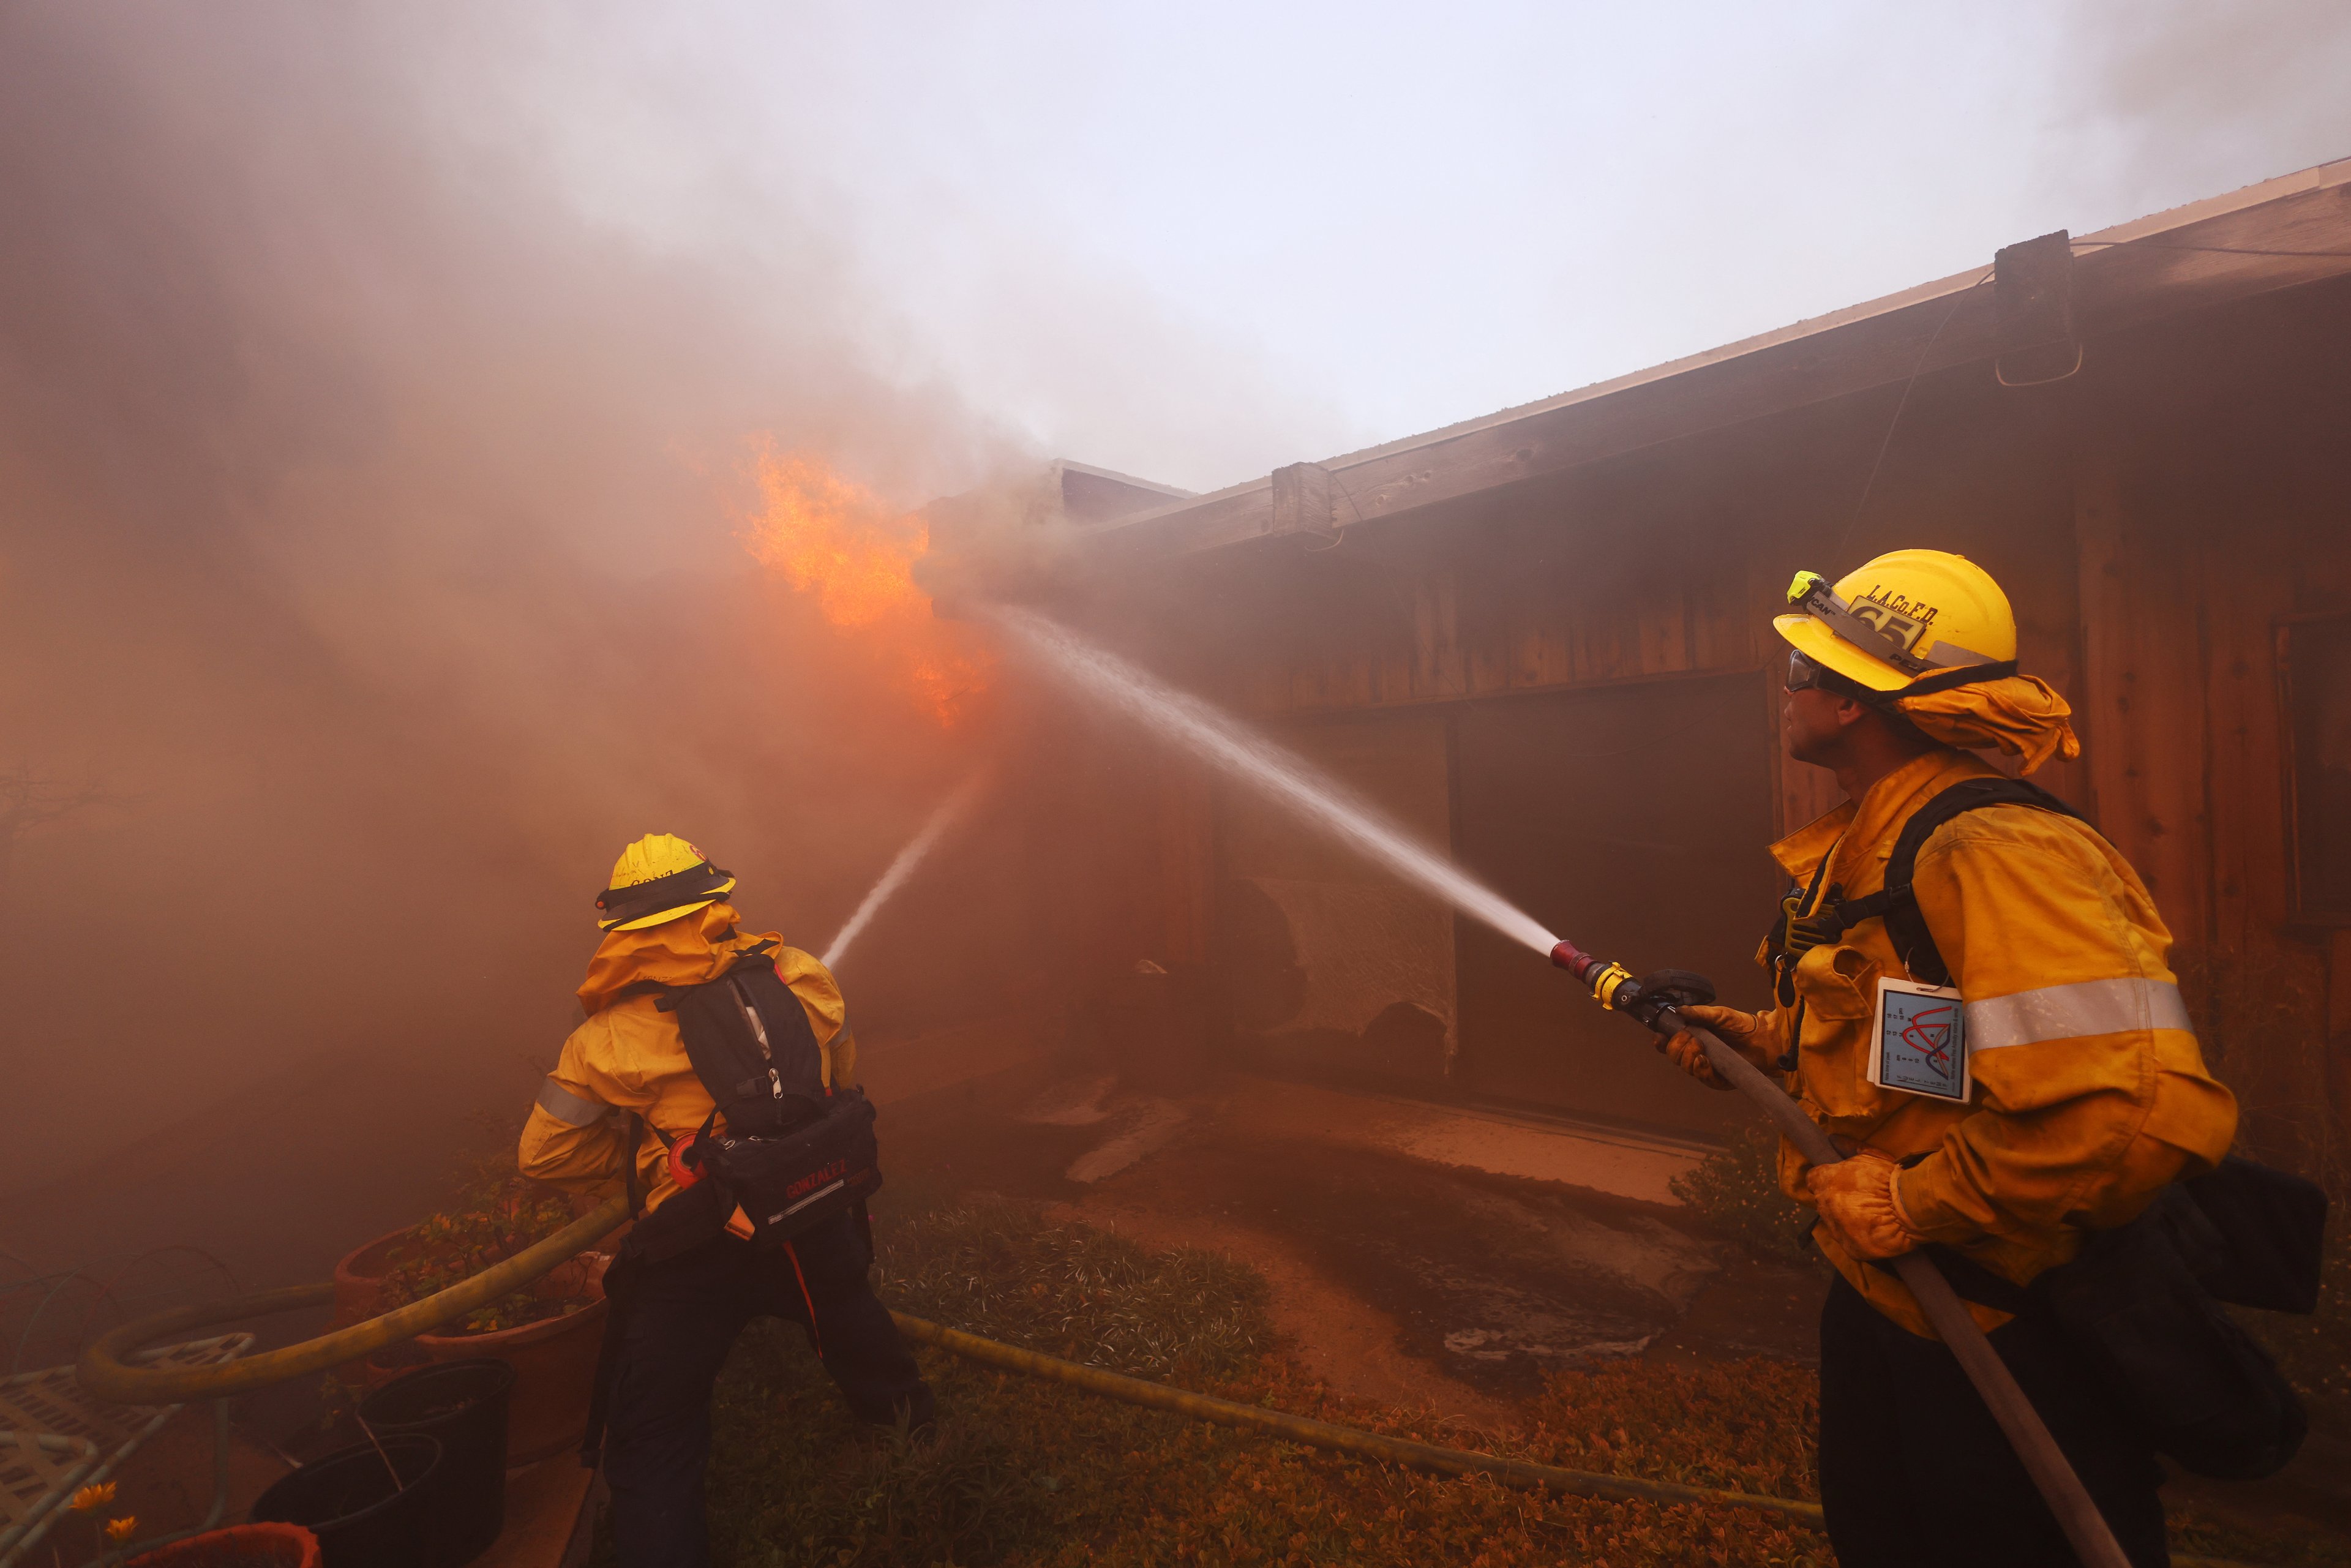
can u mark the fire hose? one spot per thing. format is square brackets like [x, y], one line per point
[106, 1372]
[1614, 986]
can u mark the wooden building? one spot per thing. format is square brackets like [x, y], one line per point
[1541, 640]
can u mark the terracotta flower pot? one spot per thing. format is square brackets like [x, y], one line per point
[358, 1296]
[384, 1365]
[238, 1546]
[554, 1361]
[359, 1279]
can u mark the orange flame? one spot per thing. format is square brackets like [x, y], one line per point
[834, 538]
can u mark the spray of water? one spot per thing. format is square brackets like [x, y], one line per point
[950, 811]
[1281, 774]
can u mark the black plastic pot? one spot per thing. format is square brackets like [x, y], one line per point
[464, 1405]
[348, 1501]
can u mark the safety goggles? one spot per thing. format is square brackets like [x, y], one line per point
[1803, 675]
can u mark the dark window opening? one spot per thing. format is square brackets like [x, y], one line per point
[2314, 662]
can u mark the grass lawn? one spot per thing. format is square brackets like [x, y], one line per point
[1022, 1471]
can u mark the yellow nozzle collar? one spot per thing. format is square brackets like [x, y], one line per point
[1608, 982]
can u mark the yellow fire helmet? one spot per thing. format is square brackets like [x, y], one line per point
[1913, 621]
[658, 878]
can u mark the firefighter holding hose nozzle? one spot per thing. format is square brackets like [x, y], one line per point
[715, 1075]
[1972, 997]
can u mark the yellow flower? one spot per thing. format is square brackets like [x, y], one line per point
[121, 1530]
[90, 1500]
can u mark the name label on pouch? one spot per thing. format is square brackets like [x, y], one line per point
[1920, 1044]
[791, 1208]
[831, 1173]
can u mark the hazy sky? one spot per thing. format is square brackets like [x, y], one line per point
[1197, 241]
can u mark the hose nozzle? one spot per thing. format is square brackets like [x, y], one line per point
[1605, 977]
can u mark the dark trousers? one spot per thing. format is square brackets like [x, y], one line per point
[1915, 1473]
[682, 1319]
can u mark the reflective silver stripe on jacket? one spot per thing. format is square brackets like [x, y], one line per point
[2062, 1012]
[571, 1110]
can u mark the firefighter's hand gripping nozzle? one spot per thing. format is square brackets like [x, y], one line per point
[1645, 999]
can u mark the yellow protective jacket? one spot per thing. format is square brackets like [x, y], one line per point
[2090, 1090]
[629, 1055]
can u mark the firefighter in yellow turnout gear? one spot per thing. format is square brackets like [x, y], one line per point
[2085, 1090]
[624, 1074]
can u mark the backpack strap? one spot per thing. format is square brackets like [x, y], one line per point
[636, 1138]
[1897, 901]
[749, 1042]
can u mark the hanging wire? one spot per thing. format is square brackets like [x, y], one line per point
[1338, 534]
[1886, 441]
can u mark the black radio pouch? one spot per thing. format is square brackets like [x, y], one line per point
[795, 1153]
[2141, 1305]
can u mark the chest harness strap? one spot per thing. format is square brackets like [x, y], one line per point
[1811, 918]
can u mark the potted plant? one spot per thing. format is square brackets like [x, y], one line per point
[360, 1276]
[549, 1332]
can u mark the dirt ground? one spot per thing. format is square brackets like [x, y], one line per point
[1420, 1257]
[1402, 1279]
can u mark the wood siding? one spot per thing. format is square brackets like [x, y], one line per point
[2154, 519]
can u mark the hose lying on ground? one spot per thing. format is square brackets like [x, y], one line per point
[1340, 1439]
[1370, 1444]
[104, 1372]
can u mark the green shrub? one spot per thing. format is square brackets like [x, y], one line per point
[1736, 1191]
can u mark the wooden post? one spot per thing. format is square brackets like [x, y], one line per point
[2143, 692]
[1438, 668]
[2338, 1028]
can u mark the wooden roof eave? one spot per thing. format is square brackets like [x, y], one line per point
[2271, 236]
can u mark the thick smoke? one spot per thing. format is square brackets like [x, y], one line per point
[380, 389]
[2178, 99]
[371, 571]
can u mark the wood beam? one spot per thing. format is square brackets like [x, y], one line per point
[2292, 231]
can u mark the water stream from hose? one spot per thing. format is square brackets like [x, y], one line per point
[950, 811]
[1282, 775]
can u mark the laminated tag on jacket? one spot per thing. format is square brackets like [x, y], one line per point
[1921, 1042]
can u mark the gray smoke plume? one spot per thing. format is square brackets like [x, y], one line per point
[2175, 99]
[370, 567]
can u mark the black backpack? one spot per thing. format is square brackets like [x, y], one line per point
[2142, 1301]
[795, 1153]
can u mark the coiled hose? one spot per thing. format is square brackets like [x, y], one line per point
[105, 1373]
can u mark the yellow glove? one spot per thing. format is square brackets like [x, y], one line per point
[1862, 1208]
[1755, 1036]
